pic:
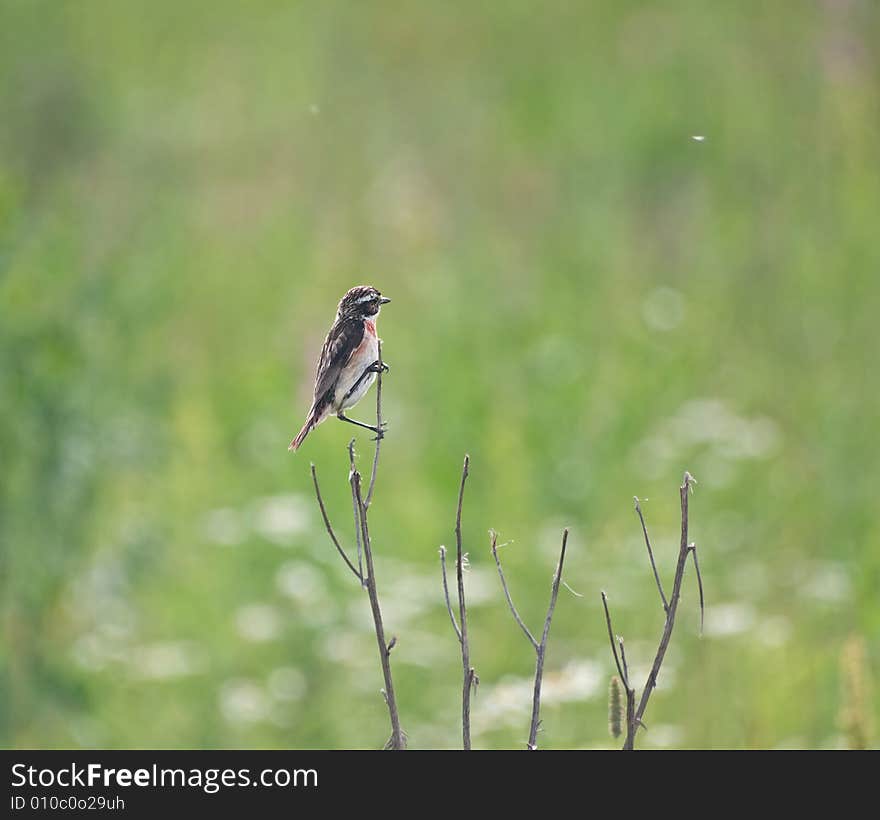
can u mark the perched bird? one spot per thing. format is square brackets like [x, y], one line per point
[349, 360]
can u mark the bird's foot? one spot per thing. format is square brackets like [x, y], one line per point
[380, 431]
[378, 367]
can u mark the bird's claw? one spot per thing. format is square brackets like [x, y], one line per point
[379, 367]
[380, 432]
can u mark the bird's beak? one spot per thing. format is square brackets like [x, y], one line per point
[384, 300]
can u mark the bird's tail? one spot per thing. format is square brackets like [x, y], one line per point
[311, 423]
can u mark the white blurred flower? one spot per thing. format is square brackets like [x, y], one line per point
[774, 631]
[578, 680]
[303, 583]
[223, 526]
[243, 702]
[829, 582]
[279, 518]
[286, 683]
[724, 620]
[709, 423]
[258, 622]
[509, 702]
[663, 309]
[662, 735]
[163, 661]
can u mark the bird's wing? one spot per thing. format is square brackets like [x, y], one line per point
[343, 339]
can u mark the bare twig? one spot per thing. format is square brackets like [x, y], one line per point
[623, 673]
[333, 538]
[468, 672]
[623, 676]
[623, 656]
[446, 593]
[632, 722]
[684, 492]
[360, 506]
[693, 549]
[634, 717]
[494, 539]
[651, 555]
[380, 435]
[355, 513]
[572, 591]
[540, 648]
[469, 675]
[397, 740]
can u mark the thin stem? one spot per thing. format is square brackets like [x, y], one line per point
[542, 649]
[355, 513]
[630, 739]
[333, 538]
[683, 551]
[634, 715]
[623, 656]
[693, 549]
[623, 673]
[468, 673]
[630, 697]
[379, 436]
[494, 538]
[651, 555]
[623, 676]
[446, 594]
[397, 740]
[368, 580]
[554, 591]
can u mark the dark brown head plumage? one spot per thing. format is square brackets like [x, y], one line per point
[361, 301]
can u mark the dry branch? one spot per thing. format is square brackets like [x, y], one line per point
[651, 555]
[360, 506]
[380, 435]
[634, 715]
[333, 538]
[469, 675]
[540, 648]
[446, 593]
[622, 672]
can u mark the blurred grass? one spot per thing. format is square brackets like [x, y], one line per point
[586, 300]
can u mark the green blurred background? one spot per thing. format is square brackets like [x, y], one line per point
[586, 299]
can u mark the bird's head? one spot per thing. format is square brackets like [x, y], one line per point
[362, 301]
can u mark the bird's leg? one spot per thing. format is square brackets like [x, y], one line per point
[375, 367]
[379, 431]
